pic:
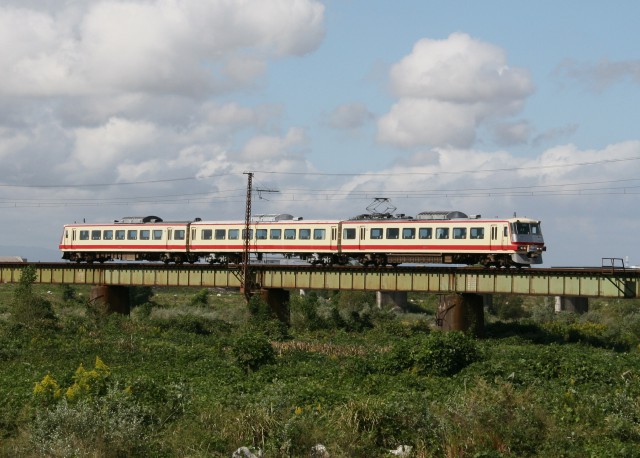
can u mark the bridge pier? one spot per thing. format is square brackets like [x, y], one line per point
[461, 312]
[114, 298]
[278, 300]
[577, 304]
[391, 299]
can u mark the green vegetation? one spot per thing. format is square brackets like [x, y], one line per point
[200, 374]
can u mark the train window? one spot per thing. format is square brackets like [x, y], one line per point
[145, 234]
[319, 234]
[261, 234]
[120, 234]
[425, 233]
[408, 233]
[459, 232]
[234, 234]
[84, 235]
[206, 234]
[178, 234]
[244, 234]
[393, 233]
[505, 231]
[107, 235]
[290, 234]
[157, 234]
[132, 234]
[95, 235]
[376, 233]
[221, 234]
[521, 228]
[535, 229]
[275, 234]
[305, 234]
[477, 232]
[442, 233]
[349, 234]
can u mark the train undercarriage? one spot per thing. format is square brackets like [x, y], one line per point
[327, 259]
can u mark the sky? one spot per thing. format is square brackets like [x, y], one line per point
[161, 107]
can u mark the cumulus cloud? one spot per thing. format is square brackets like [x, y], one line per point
[188, 47]
[447, 88]
[109, 90]
[268, 147]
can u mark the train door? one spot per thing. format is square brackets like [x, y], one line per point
[72, 241]
[335, 241]
[498, 236]
[169, 237]
[361, 239]
[495, 244]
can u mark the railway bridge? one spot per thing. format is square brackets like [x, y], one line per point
[462, 288]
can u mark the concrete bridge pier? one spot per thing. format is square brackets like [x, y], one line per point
[114, 298]
[461, 312]
[278, 300]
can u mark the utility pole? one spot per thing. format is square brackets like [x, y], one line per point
[245, 281]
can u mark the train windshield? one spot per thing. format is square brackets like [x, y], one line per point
[526, 228]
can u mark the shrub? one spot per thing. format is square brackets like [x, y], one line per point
[444, 353]
[29, 309]
[437, 353]
[305, 311]
[110, 425]
[200, 299]
[252, 351]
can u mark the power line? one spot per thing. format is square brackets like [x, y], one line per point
[353, 174]
[461, 172]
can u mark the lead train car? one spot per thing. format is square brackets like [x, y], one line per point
[431, 237]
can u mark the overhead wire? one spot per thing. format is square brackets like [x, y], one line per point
[307, 194]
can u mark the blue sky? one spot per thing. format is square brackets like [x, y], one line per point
[489, 107]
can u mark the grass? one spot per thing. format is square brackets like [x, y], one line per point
[188, 374]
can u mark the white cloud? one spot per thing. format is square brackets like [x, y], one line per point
[267, 147]
[107, 90]
[186, 47]
[104, 146]
[447, 88]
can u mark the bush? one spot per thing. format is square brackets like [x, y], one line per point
[29, 309]
[438, 353]
[110, 425]
[445, 353]
[200, 299]
[252, 351]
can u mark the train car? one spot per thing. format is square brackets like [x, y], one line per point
[223, 242]
[430, 237]
[444, 238]
[130, 239]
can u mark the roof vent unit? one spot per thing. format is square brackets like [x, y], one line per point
[272, 217]
[139, 220]
[441, 214]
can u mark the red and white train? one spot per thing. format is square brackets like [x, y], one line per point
[430, 237]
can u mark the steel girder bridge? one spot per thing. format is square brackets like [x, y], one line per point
[463, 288]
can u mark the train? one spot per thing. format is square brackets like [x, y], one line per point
[432, 237]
